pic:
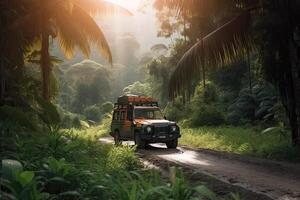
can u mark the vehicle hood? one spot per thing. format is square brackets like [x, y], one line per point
[155, 122]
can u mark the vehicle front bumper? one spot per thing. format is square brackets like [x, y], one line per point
[160, 137]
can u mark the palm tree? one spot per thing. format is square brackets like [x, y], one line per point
[279, 45]
[71, 23]
[200, 17]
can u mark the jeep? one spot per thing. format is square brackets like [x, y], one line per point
[140, 119]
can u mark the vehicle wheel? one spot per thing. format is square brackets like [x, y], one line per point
[172, 144]
[141, 144]
[117, 138]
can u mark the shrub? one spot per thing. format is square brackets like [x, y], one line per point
[93, 113]
[138, 88]
[17, 117]
[207, 115]
[175, 110]
[76, 122]
[69, 120]
[259, 104]
[107, 107]
[208, 94]
[122, 158]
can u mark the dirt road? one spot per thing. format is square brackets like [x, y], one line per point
[276, 180]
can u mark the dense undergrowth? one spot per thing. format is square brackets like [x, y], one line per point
[241, 140]
[72, 164]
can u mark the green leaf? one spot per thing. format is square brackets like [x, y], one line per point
[271, 130]
[26, 177]
[69, 195]
[10, 168]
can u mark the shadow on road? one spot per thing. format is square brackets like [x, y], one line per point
[160, 149]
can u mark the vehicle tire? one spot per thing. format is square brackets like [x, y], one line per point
[117, 138]
[172, 144]
[141, 144]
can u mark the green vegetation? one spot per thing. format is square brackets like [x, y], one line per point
[241, 140]
[219, 34]
[230, 67]
[72, 164]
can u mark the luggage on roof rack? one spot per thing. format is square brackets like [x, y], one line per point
[136, 101]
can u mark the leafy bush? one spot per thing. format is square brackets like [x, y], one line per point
[138, 88]
[71, 120]
[122, 158]
[107, 107]
[74, 165]
[207, 115]
[48, 113]
[93, 113]
[76, 122]
[16, 116]
[17, 183]
[207, 95]
[253, 105]
[175, 110]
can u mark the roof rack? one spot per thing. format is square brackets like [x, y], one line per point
[133, 100]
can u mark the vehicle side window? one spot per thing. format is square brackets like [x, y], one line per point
[129, 115]
[123, 115]
[116, 115]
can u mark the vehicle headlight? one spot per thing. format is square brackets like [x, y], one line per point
[173, 128]
[149, 129]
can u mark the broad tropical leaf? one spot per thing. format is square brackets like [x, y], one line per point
[222, 46]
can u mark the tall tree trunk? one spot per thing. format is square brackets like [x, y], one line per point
[289, 86]
[295, 75]
[45, 65]
[2, 80]
[249, 71]
[2, 68]
[294, 61]
[203, 76]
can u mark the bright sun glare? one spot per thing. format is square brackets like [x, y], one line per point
[132, 5]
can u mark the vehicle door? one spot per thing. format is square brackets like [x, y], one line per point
[126, 123]
[116, 123]
[129, 124]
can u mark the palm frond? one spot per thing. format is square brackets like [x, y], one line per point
[222, 46]
[203, 7]
[78, 29]
[101, 7]
[92, 31]
[69, 34]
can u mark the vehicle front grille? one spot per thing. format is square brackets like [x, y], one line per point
[162, 129]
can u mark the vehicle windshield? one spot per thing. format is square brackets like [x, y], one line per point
[148, 114]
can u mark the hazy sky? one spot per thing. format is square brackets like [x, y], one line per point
[143, 25]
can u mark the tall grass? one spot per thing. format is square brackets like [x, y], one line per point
[241, 140]
[94, 132]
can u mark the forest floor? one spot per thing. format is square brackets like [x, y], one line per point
[252, 178]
